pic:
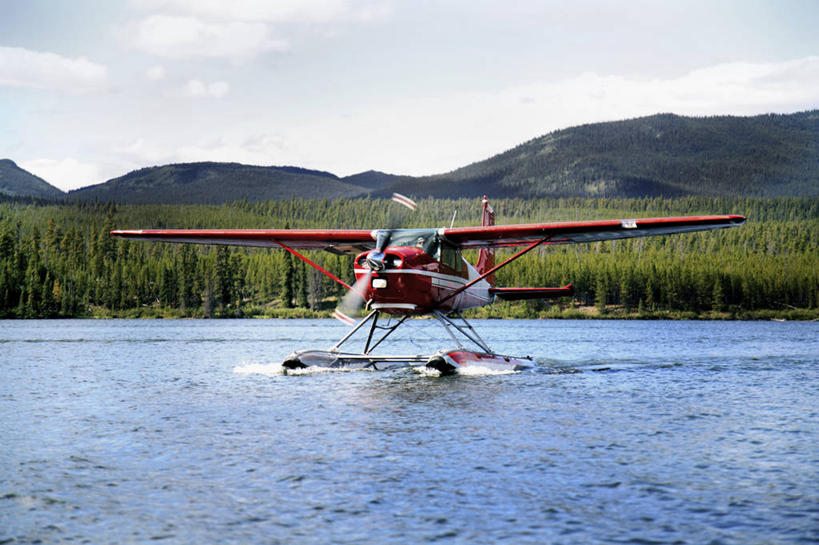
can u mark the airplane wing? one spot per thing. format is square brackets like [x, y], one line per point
[582, 231]
[358, 240]
[332, 240]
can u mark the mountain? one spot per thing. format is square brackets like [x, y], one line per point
[216, 183]
[16, 182]
[373, 180]
[662, 155]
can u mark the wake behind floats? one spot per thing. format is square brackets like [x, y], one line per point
[403, 273]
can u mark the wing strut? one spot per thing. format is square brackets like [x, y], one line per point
[315, 265]
[492, 270]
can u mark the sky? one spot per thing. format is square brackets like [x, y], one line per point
[92, 89]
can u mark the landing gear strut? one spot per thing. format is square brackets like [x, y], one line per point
[445, 361]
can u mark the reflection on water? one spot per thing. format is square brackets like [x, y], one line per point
[186, 431]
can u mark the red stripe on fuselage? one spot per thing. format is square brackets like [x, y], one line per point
[418, 281]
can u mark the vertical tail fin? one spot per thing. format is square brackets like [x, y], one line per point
[486, 256]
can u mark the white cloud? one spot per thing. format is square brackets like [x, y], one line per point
[177, 37]
[155, 73]
[746, 87]
[198, 89]
[430, 135]
[222, 150]
[279, 11]
[437, 134]
[140, 153]
[42, 70]
[66, 174]
[238, 30]
[255, 149]
[375, 12]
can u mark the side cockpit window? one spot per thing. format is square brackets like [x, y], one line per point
[451, 257]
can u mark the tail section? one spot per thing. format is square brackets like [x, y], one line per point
[486, 260]
[486, 256]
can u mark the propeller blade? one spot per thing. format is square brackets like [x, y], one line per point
[382, 239]
[340, 316]
[406, 201]
[353, 300]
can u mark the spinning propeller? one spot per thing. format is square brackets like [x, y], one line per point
[355, 299]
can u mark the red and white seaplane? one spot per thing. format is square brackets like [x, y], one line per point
[414, 272]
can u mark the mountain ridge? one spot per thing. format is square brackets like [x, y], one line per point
[662, 155]
[18, 182]
[215, 183]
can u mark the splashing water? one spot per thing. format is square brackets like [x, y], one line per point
[277, 369]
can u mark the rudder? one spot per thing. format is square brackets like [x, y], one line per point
[486, 256]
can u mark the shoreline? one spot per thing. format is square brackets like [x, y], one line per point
[509, 313]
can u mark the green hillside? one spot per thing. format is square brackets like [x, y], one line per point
[375, 181]
[658, 156]
[16, 182]
[215, 183]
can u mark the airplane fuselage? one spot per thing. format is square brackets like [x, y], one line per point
[412, 281]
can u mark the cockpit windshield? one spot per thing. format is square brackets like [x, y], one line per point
[428, 241]
[425, 239]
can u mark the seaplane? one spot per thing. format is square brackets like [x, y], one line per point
[405, 273]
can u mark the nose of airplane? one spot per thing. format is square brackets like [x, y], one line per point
[375, 260]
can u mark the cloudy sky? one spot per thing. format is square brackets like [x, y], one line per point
[91, 89]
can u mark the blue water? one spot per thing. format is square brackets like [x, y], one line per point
[627, 432]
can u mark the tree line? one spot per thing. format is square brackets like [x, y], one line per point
[59, 261]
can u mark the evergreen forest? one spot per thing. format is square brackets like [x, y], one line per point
[57, 260]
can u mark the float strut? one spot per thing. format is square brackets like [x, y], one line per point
[468, 331]
[358, 326]
[370, 334]
[367, 349]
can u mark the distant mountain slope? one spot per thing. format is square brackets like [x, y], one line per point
[216, 183]
[661, 155]
[16, 182]
[373, 180]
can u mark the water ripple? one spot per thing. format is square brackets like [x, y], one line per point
[188, 431]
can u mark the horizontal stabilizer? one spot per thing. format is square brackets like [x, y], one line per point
[518, 294]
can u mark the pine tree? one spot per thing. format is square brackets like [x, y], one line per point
[287, 282]
[303, 291]
[600, 293]
[717, 295]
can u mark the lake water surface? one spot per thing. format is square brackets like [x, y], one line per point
[186, 431]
